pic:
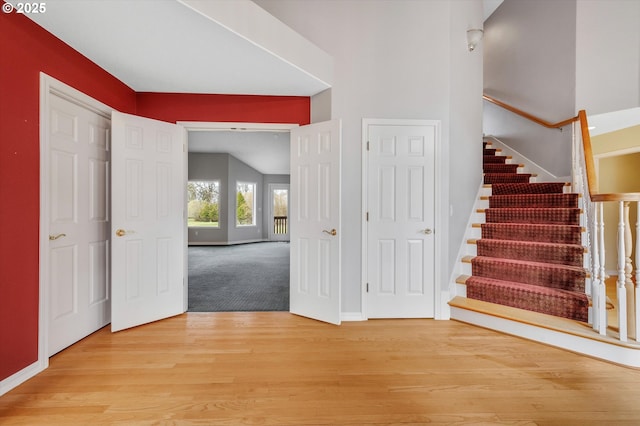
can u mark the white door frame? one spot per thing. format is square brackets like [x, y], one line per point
[270, 189]
[49, 86]
[441, 296]
[213, 126]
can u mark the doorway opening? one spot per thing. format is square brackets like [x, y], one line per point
[239, 259]
[278, 219]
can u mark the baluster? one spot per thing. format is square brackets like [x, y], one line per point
[602, 293]
[621, 291]
[628, 269]
[595, 273]
[637, 265]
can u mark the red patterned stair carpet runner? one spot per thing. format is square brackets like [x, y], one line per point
[530, 255]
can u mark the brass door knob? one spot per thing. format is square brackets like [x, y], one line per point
[55, 237]
[121, 232]
[428, 231]
[332, 232]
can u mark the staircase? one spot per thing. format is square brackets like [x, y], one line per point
[530, 254]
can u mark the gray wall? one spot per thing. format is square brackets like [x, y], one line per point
[607, 55]
[397, 59]
[530, 63]
[240, 172]
[229, 170]
[211, 167]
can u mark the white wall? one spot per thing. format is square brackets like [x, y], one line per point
[530, 63]
[607, 55]
[394, 59]
[466, 119]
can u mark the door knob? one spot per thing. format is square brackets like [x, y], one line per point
[332, 232]
[428, 231]
[55, 237]
[121, 232]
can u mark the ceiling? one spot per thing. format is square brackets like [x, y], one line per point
[265, 151]
[175, 46]
[170, 46]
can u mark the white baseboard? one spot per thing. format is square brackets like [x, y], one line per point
[20, 377]
[445, 308]
[352, 316]
[611, 352]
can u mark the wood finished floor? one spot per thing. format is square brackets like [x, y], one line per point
[281, 369]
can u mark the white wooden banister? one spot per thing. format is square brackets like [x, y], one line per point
[627, 296]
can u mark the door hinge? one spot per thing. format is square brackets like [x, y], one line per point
[367, 216]
[367, 145]
[367, 287]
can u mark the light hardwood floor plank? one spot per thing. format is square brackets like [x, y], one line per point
[280, 369]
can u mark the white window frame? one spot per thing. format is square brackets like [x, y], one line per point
[219, 204]
[253, 205]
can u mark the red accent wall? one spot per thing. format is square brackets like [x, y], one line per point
[26, 49]
[174, 107]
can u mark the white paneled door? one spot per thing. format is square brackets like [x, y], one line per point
[78, 221]
[400, 226]
[147, 230]
[315, 290]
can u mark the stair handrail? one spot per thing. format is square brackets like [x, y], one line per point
[586, 141]
[628, 305]
[591, 169]
[528, 116]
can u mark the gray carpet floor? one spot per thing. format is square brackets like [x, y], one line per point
[244, 277]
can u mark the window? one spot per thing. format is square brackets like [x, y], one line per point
[245, 202]
[203, 208]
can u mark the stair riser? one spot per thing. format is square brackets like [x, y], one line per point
[534, 188]
[534, 216]
[573, 256]
[540, 233]
[534, 201]
[544, 276]
[495, 178]
[576, 310]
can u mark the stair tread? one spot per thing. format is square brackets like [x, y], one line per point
[537, 319]
[528, 263]
[462, 279]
